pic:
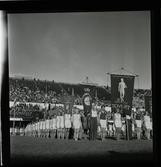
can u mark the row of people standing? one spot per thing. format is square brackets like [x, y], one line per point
[134, 122]
[63, 125]
[57, 125]
[143, 122]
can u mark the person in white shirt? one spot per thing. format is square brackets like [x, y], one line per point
[26, 130]
[38, 128]
[62, 125]
[117, 123]
[33, 129]
[47, 127]
[58, 120]
[40, 123]
[53, 126]
[67, 118]
[147, 125]
[43, 127]
[81, 126]
[76, 123]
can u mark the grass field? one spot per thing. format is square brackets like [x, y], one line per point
[46, 150]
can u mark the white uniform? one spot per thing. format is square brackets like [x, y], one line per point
[62, 122]
[29, 128]
[36, 126]
[76, 121]
[26, 130]
[133, 127]
[43, 125]
[58, 122]
[138, 123]
[40, 124]
[21, 130]
[117, 120]
[147, 122]
[47, 121]
[53, 123]
[50, 122]
[67, 120]
[33, 127]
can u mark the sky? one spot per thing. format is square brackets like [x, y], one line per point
[68, 47]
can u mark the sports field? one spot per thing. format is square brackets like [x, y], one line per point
[46, 150]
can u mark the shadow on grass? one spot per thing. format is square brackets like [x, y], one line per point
[109, 156]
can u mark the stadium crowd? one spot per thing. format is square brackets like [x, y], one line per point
[36, 91]
[44, 92]
[27, 92]
[79, 125]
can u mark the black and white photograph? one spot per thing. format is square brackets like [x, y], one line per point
[80, 87]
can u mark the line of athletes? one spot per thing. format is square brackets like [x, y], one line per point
[62, 125]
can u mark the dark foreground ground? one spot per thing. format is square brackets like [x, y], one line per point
[27, 150]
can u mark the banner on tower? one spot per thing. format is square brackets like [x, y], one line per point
[122, 92]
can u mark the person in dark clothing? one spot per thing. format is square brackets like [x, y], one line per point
[128, 121]
[85, 124]
[93, 123]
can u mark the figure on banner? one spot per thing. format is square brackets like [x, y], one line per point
[121, 89]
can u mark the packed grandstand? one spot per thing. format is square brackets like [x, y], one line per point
[30, 93]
